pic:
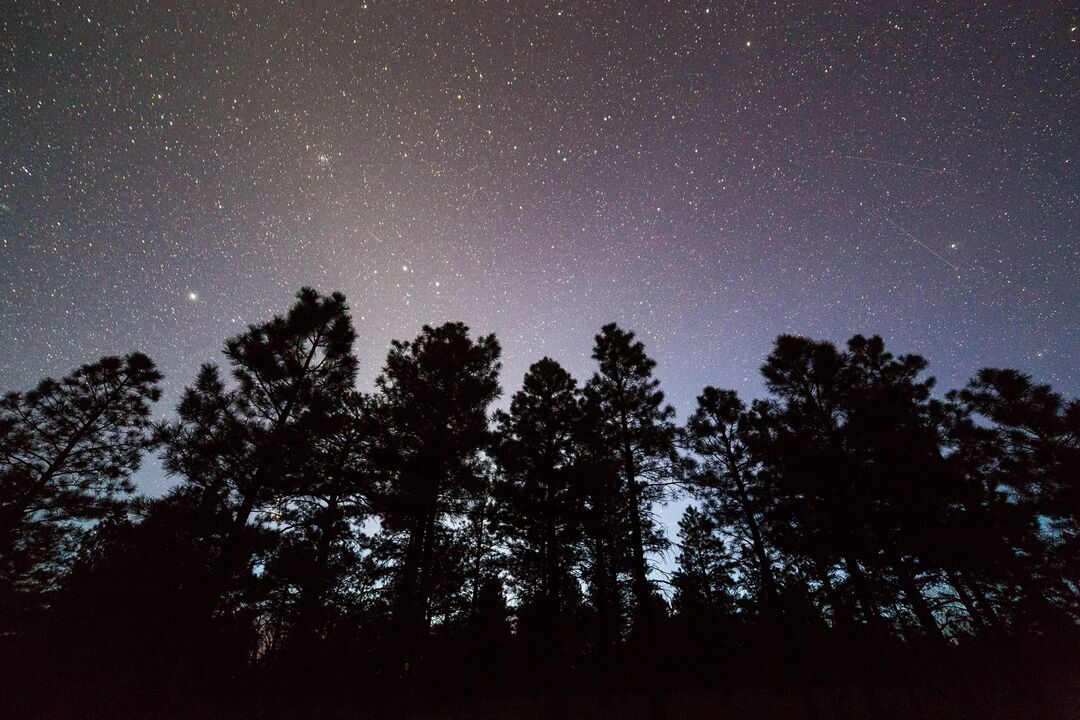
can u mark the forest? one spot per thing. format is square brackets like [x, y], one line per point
[856, 543]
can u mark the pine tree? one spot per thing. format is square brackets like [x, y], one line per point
[1030, 443]
[540, 507]
[67, 452]
[124, 612]
[718, 434]
[605, 553]
[703, 582]
[538, 516]
[247, 444]
[980, 545]
[639, 433]
[320, 520]
[855, 453]
[433, 425]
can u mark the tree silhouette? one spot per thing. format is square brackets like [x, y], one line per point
[1034, 458]
[67, 451]
[639, 432]
[980, 544]
[856, 453]
[329, 549]
[436, 391]
[703, 582]
[540, 513]
[246, 446]
[320, 519]
[605, 554]
[717, 433]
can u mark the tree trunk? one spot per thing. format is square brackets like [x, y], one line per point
[555, 678]
[917, 601]
[604, 611]
[478, 554]
[308, 620]
[229, 556]
[984, 604]
[642, 589]
[420, 617]
[870, 610]
[757, 541]
[194, 657]
[974, 613]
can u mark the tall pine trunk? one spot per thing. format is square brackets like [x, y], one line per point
[914, 596]
[308, 619]
[642, 591]
[757, 540]
[978, 621]
[555, 677]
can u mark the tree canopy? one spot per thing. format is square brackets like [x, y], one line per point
[420, 545]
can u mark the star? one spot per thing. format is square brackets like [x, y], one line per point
[193, 296]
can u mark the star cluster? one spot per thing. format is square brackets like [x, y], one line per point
[707, 174]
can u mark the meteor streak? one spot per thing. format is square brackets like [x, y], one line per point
[920, 242]
[932, 171]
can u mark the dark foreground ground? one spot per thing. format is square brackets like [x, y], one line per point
[1059, 701]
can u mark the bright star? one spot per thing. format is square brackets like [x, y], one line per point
[193, 296]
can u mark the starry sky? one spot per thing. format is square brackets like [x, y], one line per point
[707, 174]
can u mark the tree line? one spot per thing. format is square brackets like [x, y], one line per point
[851, 538]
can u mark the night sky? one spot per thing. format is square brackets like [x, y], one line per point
[707, 174]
